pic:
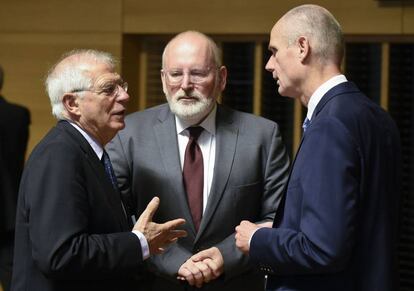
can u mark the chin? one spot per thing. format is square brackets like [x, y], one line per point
[195, 111]
[118, 126]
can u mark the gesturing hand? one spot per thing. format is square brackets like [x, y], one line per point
[158, 235]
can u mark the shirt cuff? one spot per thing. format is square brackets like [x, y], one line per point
[144, 244]
[252, 236]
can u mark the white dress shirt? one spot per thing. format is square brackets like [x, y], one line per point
[207, 144]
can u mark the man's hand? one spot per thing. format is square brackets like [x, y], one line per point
[195, 273]
[202, 267]
[158, 235]
[213, 259]
[244, 232]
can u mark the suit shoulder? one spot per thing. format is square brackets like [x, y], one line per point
[58, 144]
[149, 113]
[15, 111]
[248, 119]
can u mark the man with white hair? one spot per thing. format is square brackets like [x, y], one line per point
[234, 167]
[336, 227]
[73, 229]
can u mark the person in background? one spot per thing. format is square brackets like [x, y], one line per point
[14, 135]
[73, 231]
[212, 165]
[336, 228]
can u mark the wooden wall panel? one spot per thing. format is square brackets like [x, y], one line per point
[248, 16]
[26, 58]
[59, 15]
[408, 20]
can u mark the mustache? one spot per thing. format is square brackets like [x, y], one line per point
[182, 94]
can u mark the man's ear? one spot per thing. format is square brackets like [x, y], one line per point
[71, 103]
[222, 77]
[304, 48]
[164, 85]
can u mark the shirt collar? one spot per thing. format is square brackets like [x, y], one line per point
[209, 123]
[321, 91]
[97, 148]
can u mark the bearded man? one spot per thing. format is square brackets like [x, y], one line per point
[209, 164]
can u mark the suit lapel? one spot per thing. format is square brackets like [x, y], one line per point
[166, 135]
[226, 141]
[111, 195]
[342, 88]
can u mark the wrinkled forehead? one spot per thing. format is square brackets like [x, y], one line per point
[99, 72]
[189, 54]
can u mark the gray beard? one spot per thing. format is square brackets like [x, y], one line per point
[191, 112]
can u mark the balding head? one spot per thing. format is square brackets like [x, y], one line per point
[319, 26]
[196, 39]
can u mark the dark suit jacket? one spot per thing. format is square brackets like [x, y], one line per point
[251, 167]
[14, 133]
[71, 231]
[337, 227]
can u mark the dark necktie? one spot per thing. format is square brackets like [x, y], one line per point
[109, 170]
[305, 124]
[193, 175]
[111, 174]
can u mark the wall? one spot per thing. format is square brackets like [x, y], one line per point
[33, 34]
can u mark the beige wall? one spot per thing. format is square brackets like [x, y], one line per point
[34, 33]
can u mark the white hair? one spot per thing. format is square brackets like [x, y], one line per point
[70, 74]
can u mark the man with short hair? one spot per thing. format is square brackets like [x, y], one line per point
[73, 229]
[336, 227]
[212, 165]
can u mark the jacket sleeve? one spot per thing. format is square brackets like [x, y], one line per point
[322, 195]
[59, 204]
[274, 180]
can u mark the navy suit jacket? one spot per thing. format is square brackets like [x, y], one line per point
[337, 225]
[71, 231]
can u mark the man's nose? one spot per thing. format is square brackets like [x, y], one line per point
[123, 96]
[269, 65]
[186, 82]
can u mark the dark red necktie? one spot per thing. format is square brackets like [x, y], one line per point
[193, 175]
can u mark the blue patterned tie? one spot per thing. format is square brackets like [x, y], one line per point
[111, 174]
[109, 170]
[305, 124]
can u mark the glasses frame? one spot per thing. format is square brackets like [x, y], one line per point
[115, 91]
[204, 74]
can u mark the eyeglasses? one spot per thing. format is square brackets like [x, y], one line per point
[196, 76]
[108, 89]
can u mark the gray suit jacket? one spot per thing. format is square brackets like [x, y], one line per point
[251, 167]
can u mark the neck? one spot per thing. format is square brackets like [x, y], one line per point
[317, 76]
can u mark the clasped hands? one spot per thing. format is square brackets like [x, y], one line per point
[202, 267]
[157, 235]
